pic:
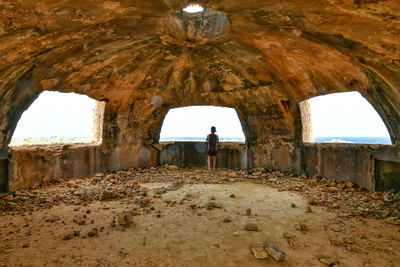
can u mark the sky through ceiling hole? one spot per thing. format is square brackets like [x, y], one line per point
[193, 8]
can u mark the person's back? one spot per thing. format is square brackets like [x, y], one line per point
[212, 140]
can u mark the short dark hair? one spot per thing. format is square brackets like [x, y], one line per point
[213, 129]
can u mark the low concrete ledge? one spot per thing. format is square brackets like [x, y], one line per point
[351, 162]
[194, 154]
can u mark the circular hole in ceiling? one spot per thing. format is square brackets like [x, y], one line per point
[193, 8]
[196, 23]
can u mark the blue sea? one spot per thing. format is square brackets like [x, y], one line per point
[356, 140]
[335, 139]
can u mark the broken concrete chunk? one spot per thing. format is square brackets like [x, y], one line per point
[251, 227]
[105, 195]
[275, 252]
[259, 253]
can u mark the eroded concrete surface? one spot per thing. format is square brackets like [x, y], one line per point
[178, 217]
[270, 57]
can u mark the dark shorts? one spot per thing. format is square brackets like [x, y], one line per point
[212, 153]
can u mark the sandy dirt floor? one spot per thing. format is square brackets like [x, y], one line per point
[195, 224]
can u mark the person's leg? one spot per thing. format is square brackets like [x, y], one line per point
[214, 161]
[209, 163]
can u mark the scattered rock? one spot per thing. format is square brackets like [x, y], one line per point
[293, 205]
[259, 253]
[143, 180]
[329, 261]
[274, 252]
[210, 205]
[232, 175]
[232, 196]
[313, 201]
[302, 227]
[93, 232]
[68, 237]
[227, 219]
[251, 227]
[77, 231]
[172, 167]
[125, 219]
[236, 233]
[309, 210]
[248, 212]
[105, 195]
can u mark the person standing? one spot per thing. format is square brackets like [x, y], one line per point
[212, 147]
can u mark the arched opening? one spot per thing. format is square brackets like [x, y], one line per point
[342, 118]
[58, 118]
[193, 124]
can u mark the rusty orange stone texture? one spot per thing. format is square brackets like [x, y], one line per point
[261, 58]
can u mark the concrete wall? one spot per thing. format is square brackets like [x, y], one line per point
[357, 163]
[370, 166]
[194, 154]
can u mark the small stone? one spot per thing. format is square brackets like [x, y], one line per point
[328, 261]
[143, 180]
[259, 253]
[309, 210]
[251, 227]
[172, 167]
[348, 240]
[232, 175]
[302, 227]
[232, 196]
[68, 237]
[227, 219]
[93, 232]
[77, 231]
[236, 233]
[349, 185]
[293, 205]
[313, 201]
[275, 252]
[341, 186]
[105, 195]
[248, 212]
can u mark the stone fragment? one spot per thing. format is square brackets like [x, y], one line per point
[105, 195]
[293, 205]
[309, 210]
[274, 252]
[259, 253]
[302, 227]
[248, 212]
[236, 233]
[328, 261]
[77, 231]
[143, 180]
[232, 175]
[210, 205]
[313, 201]
[251, 227]
[93, 232]
[172, 167]
[349, 185]
[227, 219]
[232, 196]
[124, 219]
[341, 186]
[68, 237]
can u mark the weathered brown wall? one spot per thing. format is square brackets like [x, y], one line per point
[3, 175]
[194, 154]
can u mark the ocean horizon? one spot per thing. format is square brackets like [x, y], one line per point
[326, 139]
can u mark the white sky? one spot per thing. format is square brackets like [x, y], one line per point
[345, 115]
[193, 8]
[57, 114]
[196, 121]
[71, 115]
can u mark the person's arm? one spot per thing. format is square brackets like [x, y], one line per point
[207, 138]
[217, 139]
